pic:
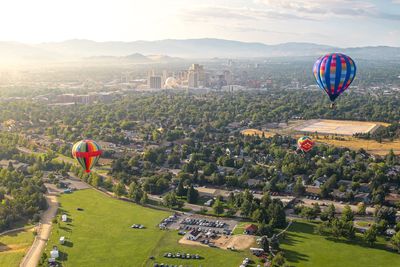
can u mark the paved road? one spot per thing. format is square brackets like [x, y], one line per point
[339, 207]
[186, 205]
[32, 258]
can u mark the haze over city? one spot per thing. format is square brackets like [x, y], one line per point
[341, 23]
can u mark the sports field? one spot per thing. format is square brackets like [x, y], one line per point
[339, 127]
[304, 248]
[13, 247]
[100, 235]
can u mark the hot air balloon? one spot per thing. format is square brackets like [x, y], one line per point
[334, 73]
[305, 143]
[171, 83]
[87, 153]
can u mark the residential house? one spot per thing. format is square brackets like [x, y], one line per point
[250, 229]
[362, 197]
[320, 181]
[392, 199]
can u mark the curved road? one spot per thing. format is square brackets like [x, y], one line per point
[32, 258]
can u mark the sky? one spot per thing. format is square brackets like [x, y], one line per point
[343, 23]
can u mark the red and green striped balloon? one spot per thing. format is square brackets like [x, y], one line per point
[87, 153]
[305, 143]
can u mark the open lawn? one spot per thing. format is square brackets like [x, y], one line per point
[13, 247]
[305, 248]
[100, 235]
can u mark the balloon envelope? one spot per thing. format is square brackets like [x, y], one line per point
[334, 73]
[170, 83]
[87, 153]
[305, 143]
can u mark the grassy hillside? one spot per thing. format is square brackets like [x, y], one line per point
[13, 247]
[100, 235]
[304, 248]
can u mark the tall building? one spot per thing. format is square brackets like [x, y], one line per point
[154, 82]
[196, 76]
[193, 79]
[228, 77]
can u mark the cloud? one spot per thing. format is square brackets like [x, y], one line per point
[205, 13]
[320, 9]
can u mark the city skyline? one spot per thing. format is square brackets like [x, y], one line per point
[342, 23]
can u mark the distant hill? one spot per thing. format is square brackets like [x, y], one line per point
[189, 48]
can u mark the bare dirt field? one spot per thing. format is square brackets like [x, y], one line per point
[184, 241]
[370, 146]
[257, 132]
[239, 242]
[339, 127]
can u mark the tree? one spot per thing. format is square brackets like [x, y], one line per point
[308, 213]
[329, 213]
[274, 242]
[264, 243]
[278, 260]
[361, 210]
[170, 200]
[370, 235]
[10, 166]
[245, 209]
[135, 192]
[265, 229]
[299, 188]
[347, 214]
[144, 199]
[96, 180]
[395, 241]
[192, 195]
[387, 214]
[218, 207]
[119, 189]
[180, 190]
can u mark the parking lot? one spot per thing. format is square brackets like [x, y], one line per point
[203, 223]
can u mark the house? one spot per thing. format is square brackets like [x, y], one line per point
[362, 197]
[320, 181]
[345, 183]
[392, 198]
[64, 218]
[257, 251]
[194, 235]
[337, 194]
[250, 229]
[314, 191]
[209, 202]
[253, 182]
[364, 188]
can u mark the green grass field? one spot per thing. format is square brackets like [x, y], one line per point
[13, 247]
[100, 235]
[305, 248]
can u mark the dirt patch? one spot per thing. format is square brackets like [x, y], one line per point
[184, 241]
[13, 248]
[340, 127]
[257, 132]
[239, 242]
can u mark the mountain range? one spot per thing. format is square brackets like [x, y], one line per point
[188, 48]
